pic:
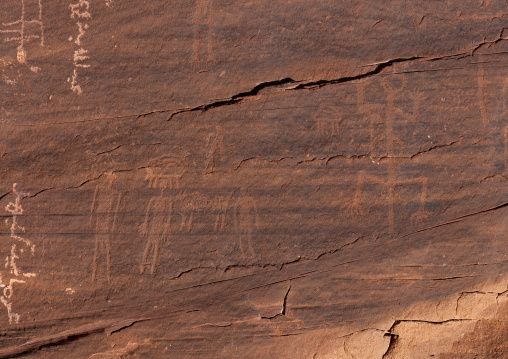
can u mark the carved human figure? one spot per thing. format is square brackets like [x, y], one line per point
[246, 221]
[215, 143]
[103, 218]
[156, 228]
[165, 174]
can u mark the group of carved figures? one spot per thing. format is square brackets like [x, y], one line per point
[172, 212]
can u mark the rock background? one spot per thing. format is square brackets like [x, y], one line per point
[254, 179]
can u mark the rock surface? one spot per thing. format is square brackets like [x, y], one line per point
[254, 179]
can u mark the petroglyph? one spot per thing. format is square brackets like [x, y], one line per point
[504, 114]
[203, 33]
[481, 93]
[215, 144]
[81, 29]
[25, 29]
[167, 171]
[103, 219]
[14, 272]
[198, 203]
[246, 219]
[328, 123]
[390, 112]
[79, 11]
[164, 173]
[156, 228]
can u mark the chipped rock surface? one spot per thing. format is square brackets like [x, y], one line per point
[253, 179]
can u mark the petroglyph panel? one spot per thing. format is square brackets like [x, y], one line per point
[251, 179]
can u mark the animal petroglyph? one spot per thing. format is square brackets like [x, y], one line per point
[103, 219]
[167, 171]
[198, 203]
[26, 28]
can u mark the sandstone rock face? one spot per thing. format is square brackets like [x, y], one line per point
[253, 179]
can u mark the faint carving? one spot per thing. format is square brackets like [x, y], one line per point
[156, 228]
[195, 203]
[222, 205]
[167, 171]
[25, 29]
[203, 32]
[328, 123]
[215, 144]
[481, 93]
[505, 115]
[103, 219]
[506, 148]
[390, 111]
[246, 219]
[163, 173]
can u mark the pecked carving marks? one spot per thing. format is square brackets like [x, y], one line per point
[389, 111]
[14, 275]
[165, 174]
[246, 221]
[328, 123]
[29, 27]
[79, 11]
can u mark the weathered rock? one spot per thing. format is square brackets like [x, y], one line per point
[254, 179]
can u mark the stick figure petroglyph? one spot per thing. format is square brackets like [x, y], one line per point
[103, 219]
[215, 143]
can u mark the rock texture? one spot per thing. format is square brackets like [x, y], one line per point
[253, 179]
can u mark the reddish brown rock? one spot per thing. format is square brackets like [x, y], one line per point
[253, 179]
